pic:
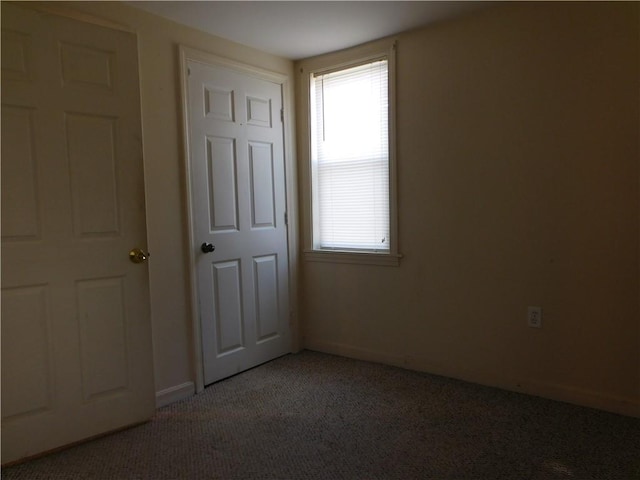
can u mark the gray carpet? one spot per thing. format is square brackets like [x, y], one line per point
[317, 416]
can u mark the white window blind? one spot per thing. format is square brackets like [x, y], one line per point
[350, 158]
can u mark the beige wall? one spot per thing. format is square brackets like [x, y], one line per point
[518, 180]
[517, 132]
[158, 41]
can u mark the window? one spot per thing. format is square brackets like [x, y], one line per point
[351, 170]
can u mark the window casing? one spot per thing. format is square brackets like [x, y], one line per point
[350, 202]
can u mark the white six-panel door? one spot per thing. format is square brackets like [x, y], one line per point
[76, 336]
[237, 178]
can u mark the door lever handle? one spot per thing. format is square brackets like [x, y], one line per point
[207, 248]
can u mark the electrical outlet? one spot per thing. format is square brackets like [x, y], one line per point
[534, 317]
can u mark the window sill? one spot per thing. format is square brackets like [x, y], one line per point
[362, 258]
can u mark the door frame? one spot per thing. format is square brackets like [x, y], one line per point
[187, 54]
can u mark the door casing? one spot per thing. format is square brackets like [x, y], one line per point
[187, 54]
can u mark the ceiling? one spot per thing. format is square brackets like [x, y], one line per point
[301, 29]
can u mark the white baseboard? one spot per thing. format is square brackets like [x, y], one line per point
[562, 393]
[175, 393]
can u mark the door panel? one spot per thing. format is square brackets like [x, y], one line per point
[76, 336]
[223, 191]
[84, 66]
[238, 205]
[20, 208]
[262, 185]
[103, 346]
[26, 334]
[265, 274]
[92, 165]
[227, 307]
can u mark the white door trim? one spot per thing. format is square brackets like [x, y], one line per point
[189, 54]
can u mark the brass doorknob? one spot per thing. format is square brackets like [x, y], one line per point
[137, 255]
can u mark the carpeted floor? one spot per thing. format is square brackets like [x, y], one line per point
[317, 416]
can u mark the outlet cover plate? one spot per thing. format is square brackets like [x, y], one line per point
[534, 317]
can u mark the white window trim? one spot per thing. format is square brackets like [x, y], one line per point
[335, 61]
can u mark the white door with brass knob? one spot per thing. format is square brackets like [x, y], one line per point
[76, 336]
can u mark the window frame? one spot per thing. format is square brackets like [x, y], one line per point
[324, 64]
